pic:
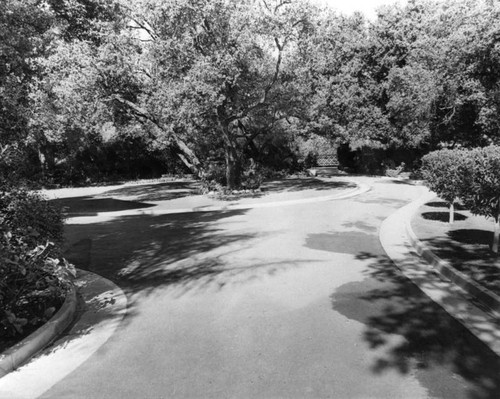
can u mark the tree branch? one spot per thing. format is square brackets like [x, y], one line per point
[146, 27]
[268, 88]
[280, 4]
[187, 156]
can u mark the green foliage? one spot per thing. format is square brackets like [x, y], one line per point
[395, 171]
[213, 177]
[33, 278]
[311, 160]
[444, 173]
[80, 19]
[481, 181]
[30, 215]
[473, 176]
[252, 177]
[24, 36]
[80, 78]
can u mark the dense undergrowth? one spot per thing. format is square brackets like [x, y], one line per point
[34, 278]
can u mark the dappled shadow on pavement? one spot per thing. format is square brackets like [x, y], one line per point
[471, 236]
[468, 251]
[141, 194]
[184, 252]
[156, 192]
[303, 184]
[288, 186]
[89, 206]
[393, 202]
[345, 242]
[442, 204]
[430, 336]
[395, 181]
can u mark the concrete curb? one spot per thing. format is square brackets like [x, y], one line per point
[15, 356]
[482, 294]
[457, 302]
[104, 310]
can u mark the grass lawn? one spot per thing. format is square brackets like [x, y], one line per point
[465, 244]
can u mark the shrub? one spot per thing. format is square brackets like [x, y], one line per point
[481, 188]
[481, 185]
[473, 176]
[33, 279]
[393, 171]
[311, 160]
[443, 171]
[252, 177]
[213, 178]
[30, 215]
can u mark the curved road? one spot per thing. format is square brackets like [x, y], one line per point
[285, 302]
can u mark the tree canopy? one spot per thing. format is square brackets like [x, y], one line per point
[208, 81]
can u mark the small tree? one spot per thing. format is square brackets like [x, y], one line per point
[481, 188]
[443, 171]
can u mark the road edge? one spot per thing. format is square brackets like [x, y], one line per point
[456, 301]
[24, 350]
[106, 305]
[348, 193]
[482, 294]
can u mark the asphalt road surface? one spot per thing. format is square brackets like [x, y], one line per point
[282, 302]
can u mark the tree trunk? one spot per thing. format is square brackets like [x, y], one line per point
[496, 231]
[452, 213]
[187, 156]
[233, 172]
[494, 246]
[46, 159]
[43, 161]
[233, 167]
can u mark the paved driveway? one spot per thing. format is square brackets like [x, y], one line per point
[283, 302]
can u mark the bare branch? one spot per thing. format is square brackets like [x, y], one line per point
[146, 27]
[281, 4]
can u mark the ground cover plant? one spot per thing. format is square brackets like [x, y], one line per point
[34, 278]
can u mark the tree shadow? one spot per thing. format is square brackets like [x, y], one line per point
[468, 251]
[360, 225]
[393, 202]
[156, 192]
[443, 216]
[346, 242]
[395, 181]
[90, 206]
[443, 204]
[181, 251]
[431, 338]
[285, 185]
[448, 249]
[301, 184]
[471, 236]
